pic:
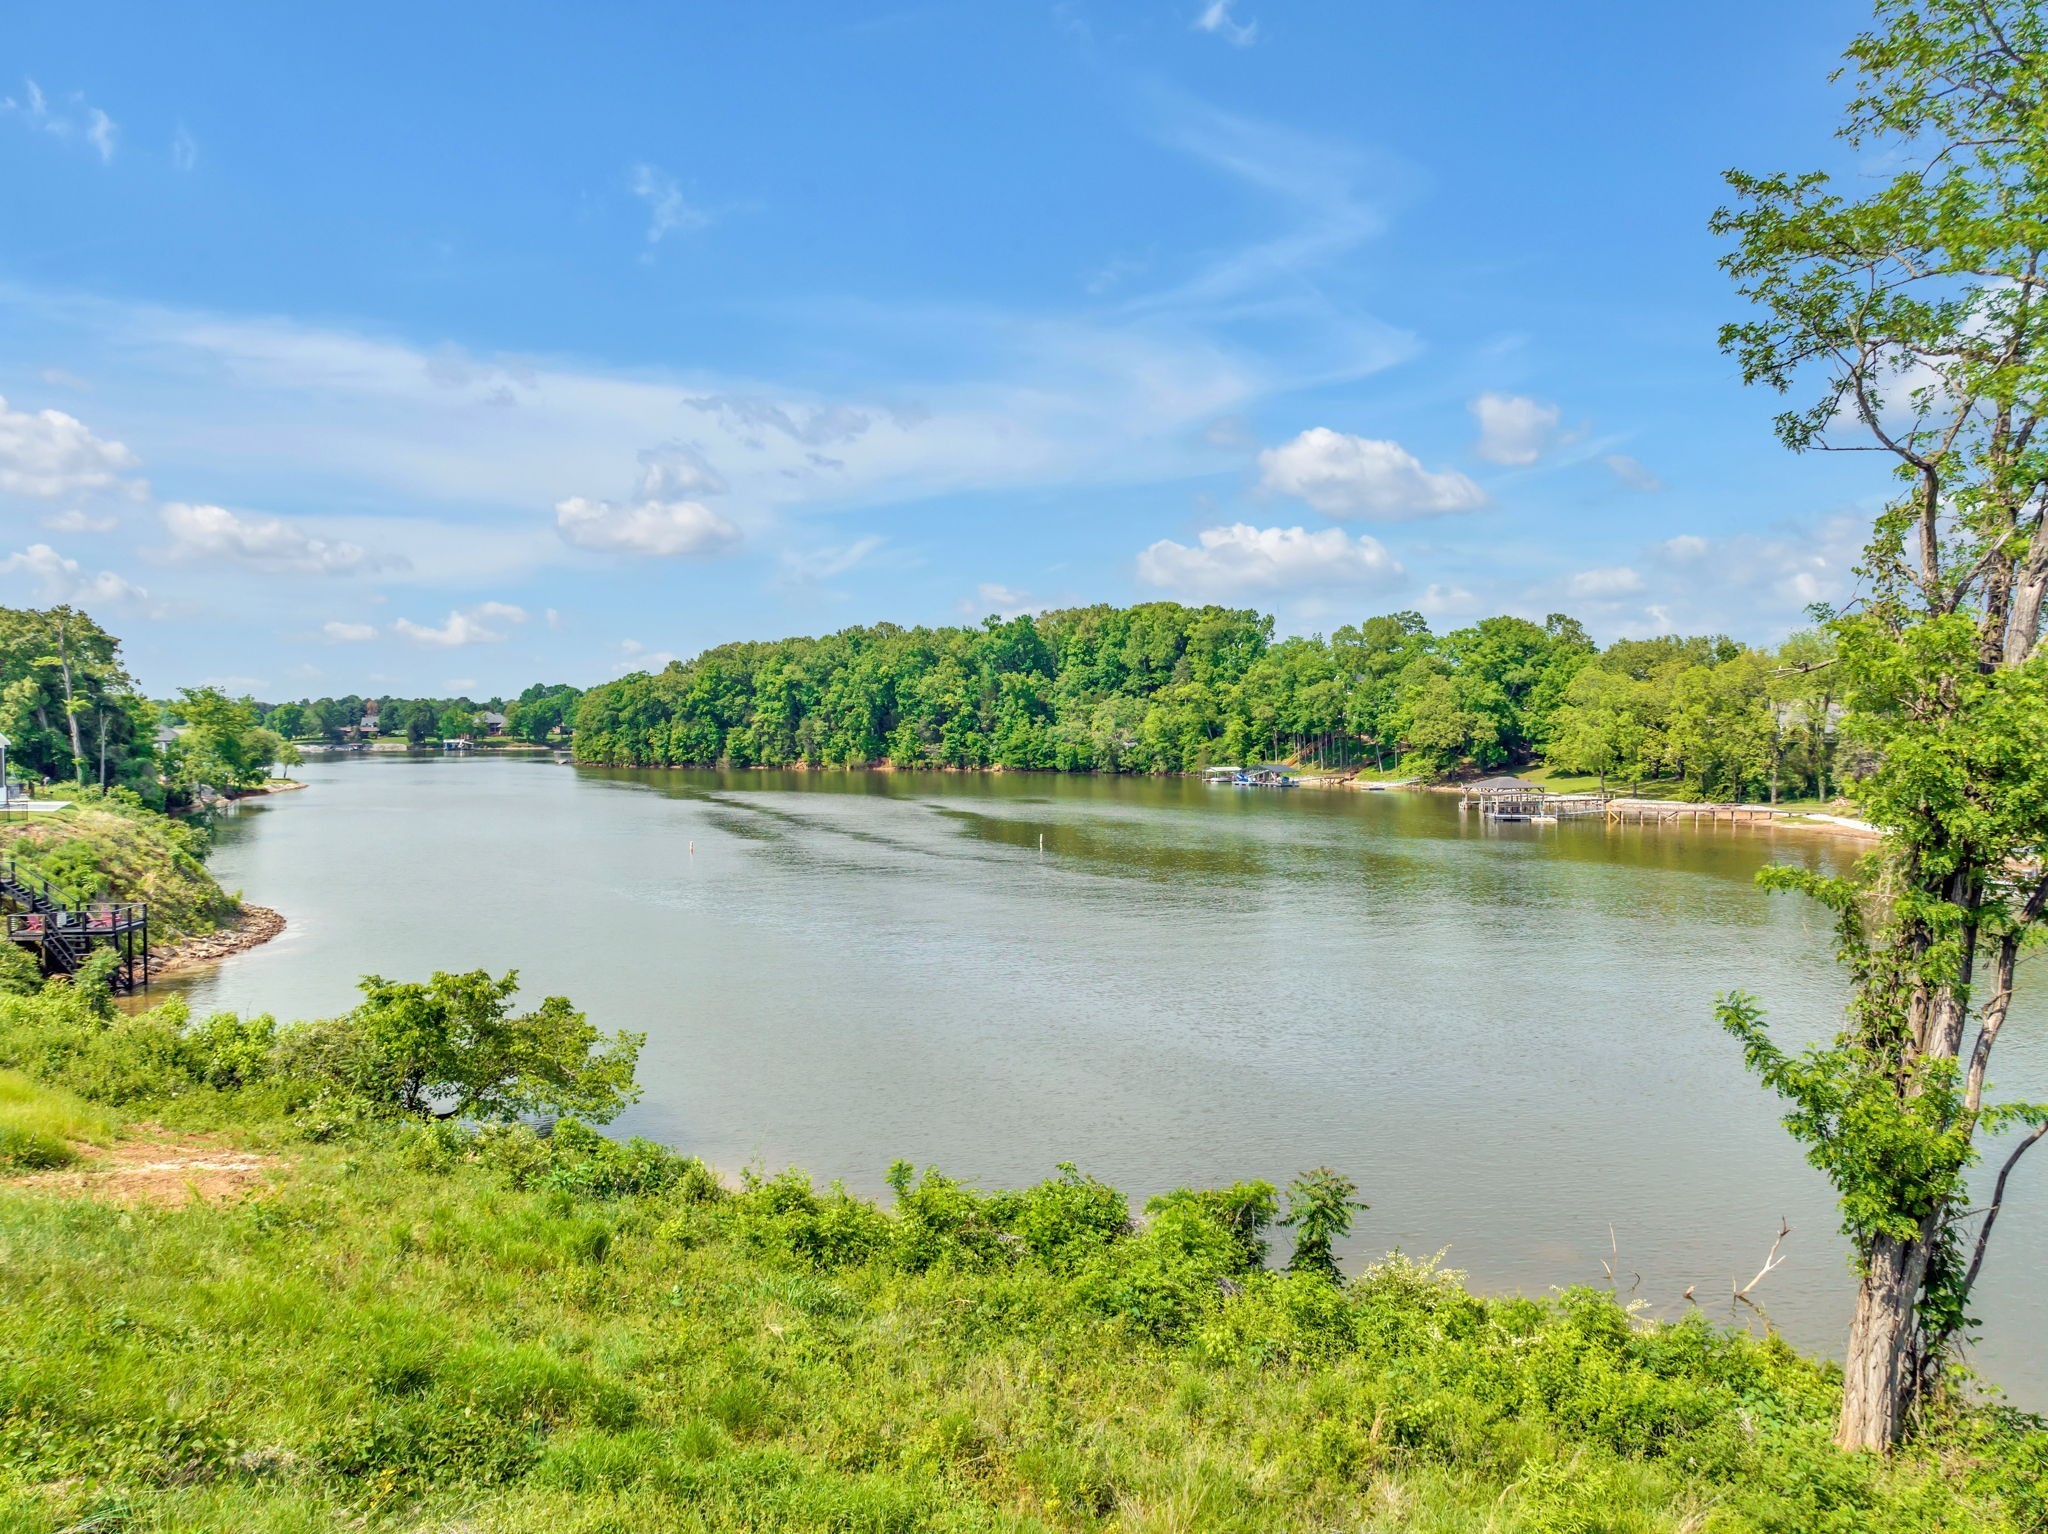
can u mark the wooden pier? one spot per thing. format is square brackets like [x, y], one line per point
[1512, 799]
[1663, 812]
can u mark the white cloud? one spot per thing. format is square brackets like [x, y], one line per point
[73, 520]
[678, 471]
[1755, 584]
[101, 133]
[667, 209]
[1346, 476]
[1217, 20]
[347, 633]
[201, 534]
[65, 580]
[660, 528]
[72, 118]
[184, 149]
[1513, 428]
[1229, 432]
[1242, 558]
[59, 378]
[1445, 598]
[465, 626]
[1604, 584]
[803, 566]
[51, 454]
[635, 656]
[1632, 473]
[1004, 601]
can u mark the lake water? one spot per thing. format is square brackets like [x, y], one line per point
[1504, 1033]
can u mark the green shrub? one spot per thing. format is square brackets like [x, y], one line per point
[785, 1216]
[21, 972]
[1245, 1209]
[1064, 1221]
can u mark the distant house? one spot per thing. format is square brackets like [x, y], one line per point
[490, 723]
[367, 728]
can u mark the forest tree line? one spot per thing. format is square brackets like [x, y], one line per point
[541, 711]
[1164, 688]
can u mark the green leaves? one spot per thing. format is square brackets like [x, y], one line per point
[1889, 1134]
[1320, 1206]
[452, 1047]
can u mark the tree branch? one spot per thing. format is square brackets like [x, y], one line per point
[1772, 1262]
[1997, 1199]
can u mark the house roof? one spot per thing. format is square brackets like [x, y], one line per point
[1508, 783]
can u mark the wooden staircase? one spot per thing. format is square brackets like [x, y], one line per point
[64, 935]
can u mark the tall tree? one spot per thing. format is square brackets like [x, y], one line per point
[1911, 303]
[67, 703]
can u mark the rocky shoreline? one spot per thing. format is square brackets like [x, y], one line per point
[257, 924]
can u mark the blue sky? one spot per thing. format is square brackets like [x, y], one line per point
[451, 347]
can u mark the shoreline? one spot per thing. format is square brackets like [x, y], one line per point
[274, 786]
[255, 926]
[1825, 821]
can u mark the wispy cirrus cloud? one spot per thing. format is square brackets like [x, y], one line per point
[667, 208]
[71, 117]
[1632, 473]
[1215, 18]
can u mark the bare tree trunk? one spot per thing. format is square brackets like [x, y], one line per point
[1881, 1372]
[70, 709]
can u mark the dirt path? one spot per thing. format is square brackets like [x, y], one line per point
[156, 1166]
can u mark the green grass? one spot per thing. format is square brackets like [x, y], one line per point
[40, 1123]
[426, 1330]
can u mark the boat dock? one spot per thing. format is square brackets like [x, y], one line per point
[1517, 799]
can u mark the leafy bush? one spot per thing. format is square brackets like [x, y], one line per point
[576, 1160]
[786, 1217]
[21, 973]
[1245, 1209]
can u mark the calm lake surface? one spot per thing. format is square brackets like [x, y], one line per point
[1505, 1033]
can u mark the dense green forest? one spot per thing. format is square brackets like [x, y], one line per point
[1153, 688]
[1166, 688]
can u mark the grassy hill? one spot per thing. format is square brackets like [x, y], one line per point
[106, 848]
[399, 1325]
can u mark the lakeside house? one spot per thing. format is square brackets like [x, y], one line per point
[366, 728]
[490, 722]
